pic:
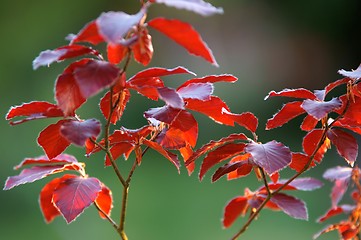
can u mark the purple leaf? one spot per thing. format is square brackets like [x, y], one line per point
[201, 91]
[78, 132]
[304, 184]
[113, 26]
[272, 156]
[319, 109]
[171, 97]
[345, 143]
[356, 74]
[290, 205]
[197, 6]
[337, 172]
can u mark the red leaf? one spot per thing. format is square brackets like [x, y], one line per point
[201, 91]
[197, 6]
[171, 97]
[272, 156]
[35, 173]
[220, 154]
[335, 84]
[170, 156]
[90, 33]
[294, 93]
[78, 132]
[52, 141]
[46, 198]
[113, 26]
[311, 141]
[214, 108]
[352, 116]
[288, 111]
[176, 30]
[247, 120]
[336, 211]
[73, 195]
[242, 168]
[213, 144]
[159, 72]
[143, 48]
[354, 74]
[320, 109]
[345, 143]
[93, 76]
[186, 153]
[299, 161]
[122, 98]
[33, 110]
[44, 160]
[309, 123]
[116, 53]
[49, 56]
[164, 114]
[290, 205]
[104, 201]
[234, 208]
[210, 79]
[347, 230]
[122, 148]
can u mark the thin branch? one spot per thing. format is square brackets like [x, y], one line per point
[265, 181]
[106, 215]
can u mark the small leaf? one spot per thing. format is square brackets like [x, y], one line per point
[320, 109]
[220, 154]
[299, 161]
[171, 97]
[288, 111]
[335, 84]
[304, 184]
[201, 91]
[90, 33]
[186, 153]
[116, 52]
[242, 168]
[355, 74]
[210, 79]
[294, 93]
[345, 143]
[234, 208]
[336, 211]
[159, 72]
[309, 123]
[143, 48]
[164, 114]
[44, 160]
[33, 110]
[73, 195]
[311, 142]
[122, 97]
[176, 30]
[290, 205]
[78, 132]
[113, 26]
[104, 201]
[338, 172]
[247, 120]
[46, 198]
[119, 149]
[272, 156]
[52, 141]
[197, 6]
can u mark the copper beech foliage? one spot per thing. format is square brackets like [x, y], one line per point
[329, 121]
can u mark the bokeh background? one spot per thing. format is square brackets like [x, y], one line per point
[268, 45]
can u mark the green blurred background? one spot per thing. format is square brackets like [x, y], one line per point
[268, 45]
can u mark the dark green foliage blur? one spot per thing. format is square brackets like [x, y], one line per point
[268, 45]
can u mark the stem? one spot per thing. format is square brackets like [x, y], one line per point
[123, 212]
[106, 215]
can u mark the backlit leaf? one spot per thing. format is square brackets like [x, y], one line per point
[243, 168]
[299, 161]
[104, 201]
[294, 93]
[122, 98]
[186, 153]
[312, 140]
[176, 30]
[346, 144]
[336, 211]
[197, 6]
[210, 79]
[309, 123]
[119, 149]
[288, 111]
[78, 132]
[234, 208]
[247, 120]
[143, 48]
[73, 195]
[164, 114]
[201, 91]
[290, 205]
[220, 154]
[354, 74]
[90, 33]
[116, 53]
[44, 160]
[159, 72]
[171, 97]
[272, 156]
[320, 109]
[33, 110]
[52, 141]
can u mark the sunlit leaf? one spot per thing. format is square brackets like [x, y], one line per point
[336, 211]
[104, 201]
[44, 160]
[78, 132]
[143, 48]
[234, 208]
[320, 109]
[294, 93]
[90, 33]
[201, 91]
[346, 144]
[354, 74]
[243, 168]
[313, 141]
[290, 205]
[171, 97]
[288, 111]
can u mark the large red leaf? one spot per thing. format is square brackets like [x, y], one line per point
[121, 98]
[46, 198]
[220, 154]
[288, 111]
[213, 144]
[201, 91]
[290, 205]
[176, 30]
[143, 48]
[355, 74]
[78, 132]
[90, 33]
[335, 84]
[52, 141]
[44, 160]
[271, 156]
[210, 79]
[294, 93]
[246, 119]
[309, 123]
[49, 56]
[345, 143]
[35, 173]
[320, 109]
[104, 201]
[170, 156]
[234, 208]
[33, 110]
[311, 142]
[197, 6]
[214, 108]
[113, 26]
[93, 76]
[73, 195]
[171, 97]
